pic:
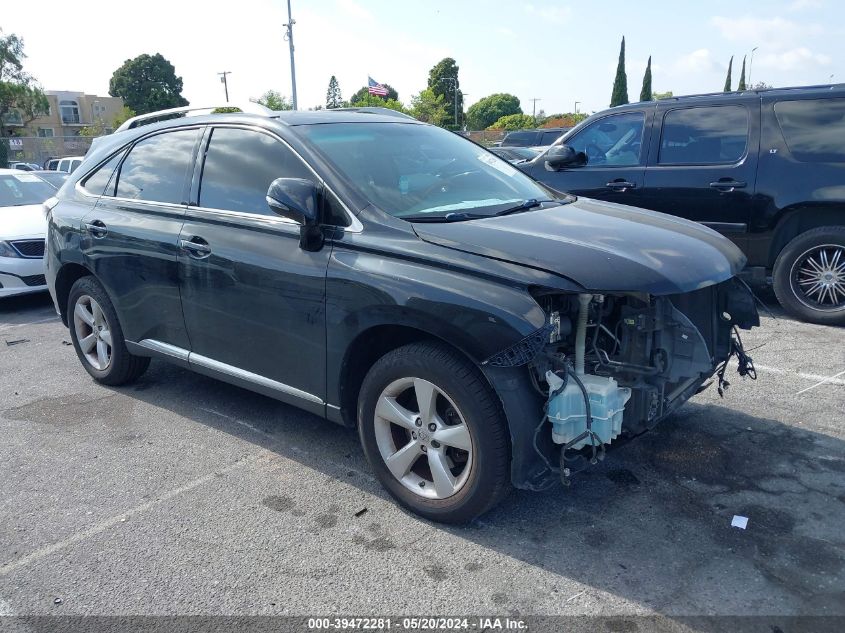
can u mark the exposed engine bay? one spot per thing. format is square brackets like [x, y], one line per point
[616, 364]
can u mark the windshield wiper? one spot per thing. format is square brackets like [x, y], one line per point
[525, 205]
[449, 217]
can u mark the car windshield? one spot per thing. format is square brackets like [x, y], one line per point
[415, 171]
[23, 188]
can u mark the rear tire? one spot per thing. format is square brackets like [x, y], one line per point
[97, 336]
[809, 276]
[449, 459]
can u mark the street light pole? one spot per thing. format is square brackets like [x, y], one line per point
[750, 64]
[534, 108]
[576, 107]
[225, 82]
[289, 38]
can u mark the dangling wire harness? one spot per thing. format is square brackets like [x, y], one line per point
[745, 365]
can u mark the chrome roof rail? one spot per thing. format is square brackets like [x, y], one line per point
[249, 107]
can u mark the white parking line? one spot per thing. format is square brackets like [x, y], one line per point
[834, 380]
[831, 379]
[106, 524]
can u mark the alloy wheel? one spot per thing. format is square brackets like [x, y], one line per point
[818, 277]
[92, 332]
[423, 438]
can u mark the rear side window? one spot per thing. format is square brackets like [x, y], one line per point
[704, 136]
[101, 181]
[156, 167]
[550, 137]
[520, 139]
[814, 130]
[239, 167]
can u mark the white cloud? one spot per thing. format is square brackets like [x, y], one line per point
[793, 59]
[555, 14]
[698, 61]
[801, 5]
[775, 33]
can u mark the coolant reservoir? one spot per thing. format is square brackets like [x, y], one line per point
[568, 415]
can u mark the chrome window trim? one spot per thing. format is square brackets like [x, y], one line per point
[268, 220]
[193, 358]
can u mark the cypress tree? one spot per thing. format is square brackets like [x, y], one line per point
[742, 85]
[727, 87]
[620, 83]
[645, 93]
[333, 96]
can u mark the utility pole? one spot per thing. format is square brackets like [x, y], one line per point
[750, 64]
[225, 82]
[576, 107]
[534, 108]
[289, 38]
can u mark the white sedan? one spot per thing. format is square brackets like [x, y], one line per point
[22, 232]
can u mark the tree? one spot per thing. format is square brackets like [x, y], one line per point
[727, 87]
[761, 85]
[275, 101]
[645, 93]
[364, 98]
[21, 99]
[514, 122]
[121, 117]
[333, 97]
[569, 119]
[147, 83]
[443, 80]
[742, 85]
[657, 96]
[620, 83]
[430, 108]
[490, 109]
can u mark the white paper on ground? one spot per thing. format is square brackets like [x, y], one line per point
[740, 522]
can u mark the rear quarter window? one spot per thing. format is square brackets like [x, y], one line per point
[814, 129]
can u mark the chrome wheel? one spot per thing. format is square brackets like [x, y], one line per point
[92, 332]
[818, 277]
[423, 438]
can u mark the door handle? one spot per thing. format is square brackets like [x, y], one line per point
[621, 185]
[728, 185]
[196, 247]
[96, 228]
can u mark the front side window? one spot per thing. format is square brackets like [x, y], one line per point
[239, 167]
[408, 170]
[814, 129]
[156, 167]
[613, 141]
[69, 111]
[704, 136]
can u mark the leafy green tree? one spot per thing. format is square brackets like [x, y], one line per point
[657, 96]
[645, 93]
[761, 85]
[568, 119]
[514, 122]
[430, 108]
[21, 99]
[364, 98]
[147, 83]
[443, 80]
[333, 97]
[620, 82]
[275, 101]
[490, 109]
[727, 87]
[226, 110]
[121, 117]
[742, 85]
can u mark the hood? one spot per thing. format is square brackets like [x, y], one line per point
[600, 245]
[24, 221]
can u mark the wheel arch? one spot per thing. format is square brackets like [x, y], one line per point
[68, 275]
[800, 219]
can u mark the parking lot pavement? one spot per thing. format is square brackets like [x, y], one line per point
[180, 494]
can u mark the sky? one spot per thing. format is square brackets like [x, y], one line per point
[558, 51]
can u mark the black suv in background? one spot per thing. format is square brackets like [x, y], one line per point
[533, 138]
[766, 168]
[394, 277]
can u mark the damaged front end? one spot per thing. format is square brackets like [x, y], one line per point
[616, 364]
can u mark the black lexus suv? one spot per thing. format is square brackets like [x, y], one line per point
[766, 168]
[480, 330]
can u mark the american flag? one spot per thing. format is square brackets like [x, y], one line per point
[375, 88]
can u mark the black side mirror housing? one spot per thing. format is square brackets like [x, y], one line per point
[560, 156]
[298, 199]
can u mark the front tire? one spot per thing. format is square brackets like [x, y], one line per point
[434, 433]
[809, 276]
[97, 336]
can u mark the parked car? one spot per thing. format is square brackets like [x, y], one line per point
[392, 276]
[516, 154]
[764, 167]
[533, 138]
[22, 230]
[51, 164]
[68, 164]
[21, 166]
[53, 178]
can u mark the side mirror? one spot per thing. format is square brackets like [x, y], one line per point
[560, 156]
[295, 199]
[299, 200]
